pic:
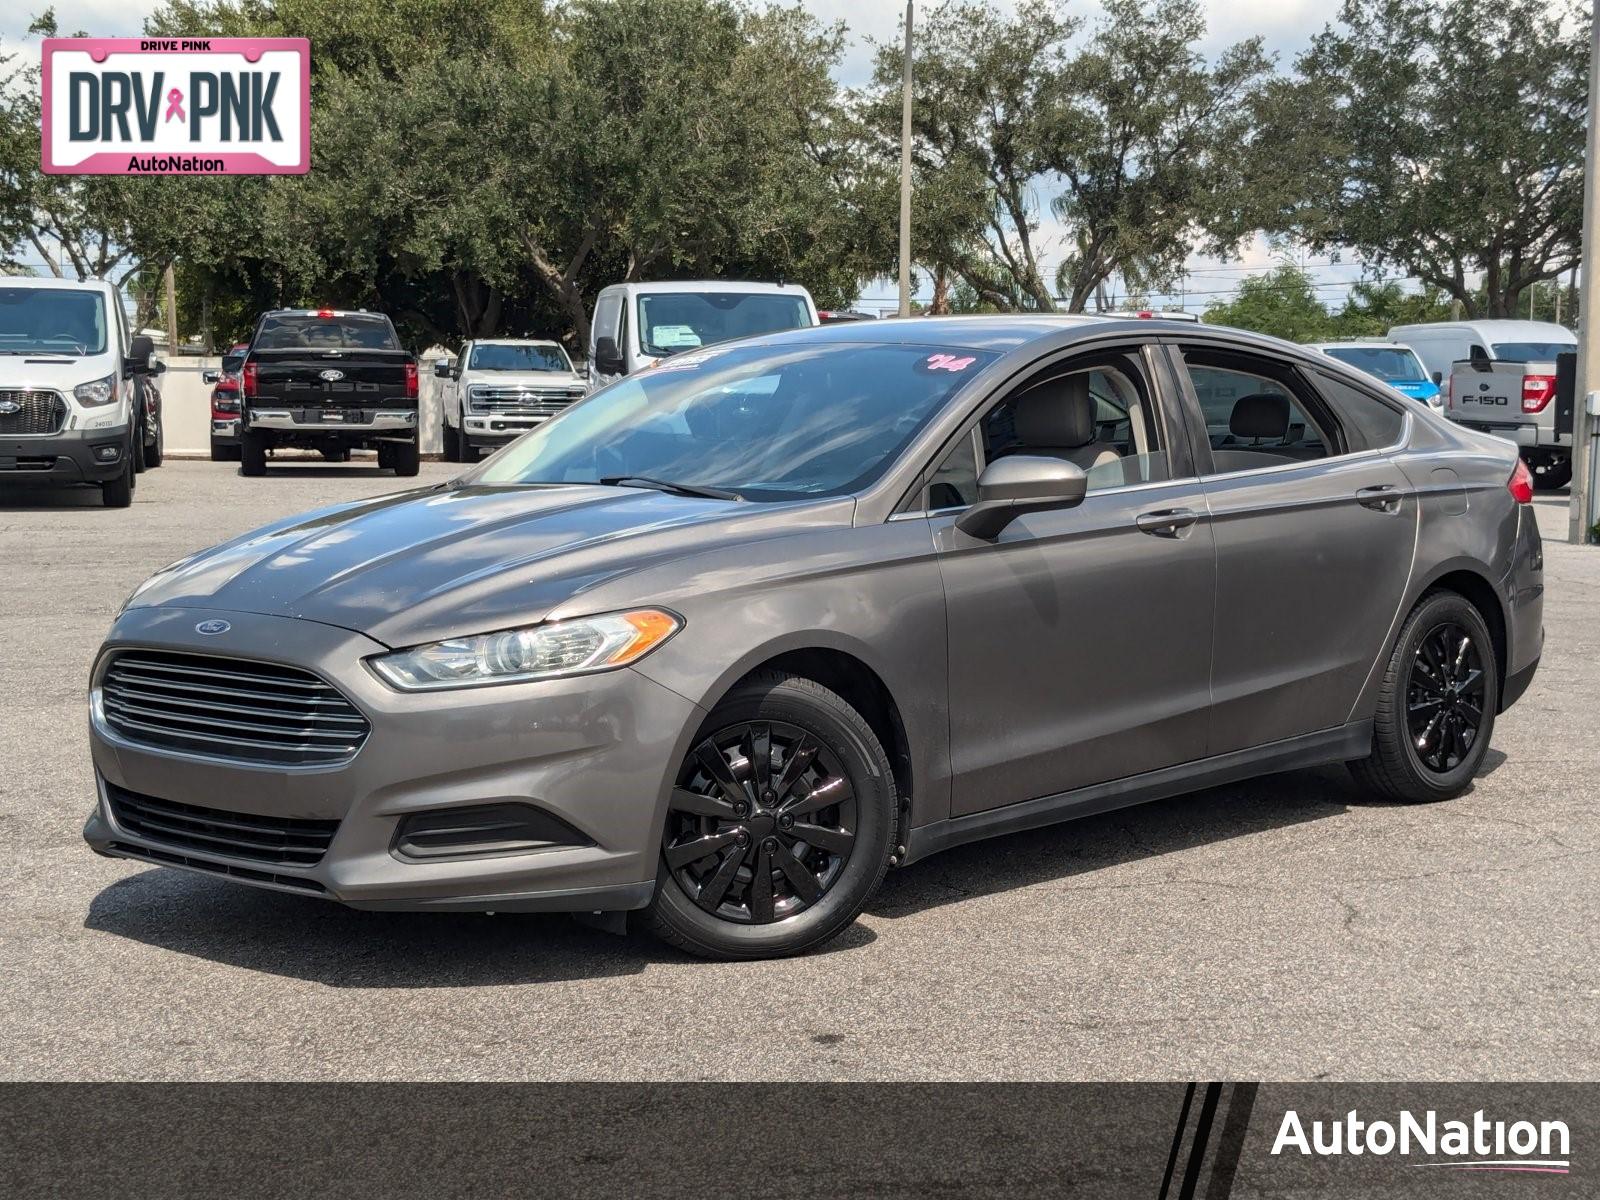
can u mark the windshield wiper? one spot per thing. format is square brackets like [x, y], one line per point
[666, 485]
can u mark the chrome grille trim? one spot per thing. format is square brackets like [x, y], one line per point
[228, 708]
[522, 401]
[41, 412]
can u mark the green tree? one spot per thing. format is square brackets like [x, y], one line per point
[1444, 137]
[1281, 302]
[1371, 309]
[1141, 131]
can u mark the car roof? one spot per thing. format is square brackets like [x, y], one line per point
[996, 332]
[1361, 344]
[515, 342]
[50, 281]
[710, 285]
[1498, 329]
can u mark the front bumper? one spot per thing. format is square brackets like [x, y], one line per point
[498, 430]
[71, 456]
[596, 752]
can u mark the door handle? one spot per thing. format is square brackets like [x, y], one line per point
[1385, 497]
[1166, 522]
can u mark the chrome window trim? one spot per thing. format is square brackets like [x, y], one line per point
[1091, 494]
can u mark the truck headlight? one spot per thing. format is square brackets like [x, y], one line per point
[576, 647]
[96, 392]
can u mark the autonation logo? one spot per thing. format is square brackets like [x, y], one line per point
[1480, 1144]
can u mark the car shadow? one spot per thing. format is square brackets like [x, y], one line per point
[321, 942]
[1098, 843]
[26, 498]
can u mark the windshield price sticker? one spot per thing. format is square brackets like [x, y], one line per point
[176, 106]
[949, 362]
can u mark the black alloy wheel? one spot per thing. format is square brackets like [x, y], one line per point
[1436, 704]
[1445, 697]
[761, 824]
[779, 826]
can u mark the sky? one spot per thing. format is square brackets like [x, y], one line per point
[1285, 26]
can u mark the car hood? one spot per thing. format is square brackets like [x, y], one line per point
[523, 378]
[41, 370]
[423, 565]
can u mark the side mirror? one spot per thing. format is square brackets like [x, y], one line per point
[607, 358]
[1017, 484]
[1438, 378]
[211, 375]
[140, 351]
[441, 368]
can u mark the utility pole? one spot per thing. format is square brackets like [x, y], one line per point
[172, 306]
[1581, 509]
[905, 175]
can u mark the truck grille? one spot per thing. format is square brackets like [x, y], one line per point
[273, 841]
[522, 402]
[229, 708]
[24, 413]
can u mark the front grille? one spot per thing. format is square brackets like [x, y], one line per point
[229, 708]
[25, 413]
[270, 841]
[521, 401]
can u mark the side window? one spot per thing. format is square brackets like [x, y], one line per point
[1368, 422]
[605, 318]
[1256, 420]
[955, 481]
[1100, 415]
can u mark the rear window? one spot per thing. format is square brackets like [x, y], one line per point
[670, 323]
[1526, 352]
[346, 331]
[1391, 364]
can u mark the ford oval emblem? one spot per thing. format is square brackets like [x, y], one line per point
[212, 627]
[9, 406]
[331, 375]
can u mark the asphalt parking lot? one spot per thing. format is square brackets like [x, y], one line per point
[1285, 929]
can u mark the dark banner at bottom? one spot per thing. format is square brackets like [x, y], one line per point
[1194, 1141]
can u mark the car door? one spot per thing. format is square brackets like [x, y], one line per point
[1315, 531]
[452, 399]
[1079, 639]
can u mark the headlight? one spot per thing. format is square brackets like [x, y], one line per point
[100, 391]
[573, 647]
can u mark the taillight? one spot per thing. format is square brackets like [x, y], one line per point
[249, 377]
[1520, 485]
[325, 313]
[411, 380]
[1536, 392]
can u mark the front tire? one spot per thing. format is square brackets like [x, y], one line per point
[780, 827]
[118, 492]
[1436, 705]
[452, 443]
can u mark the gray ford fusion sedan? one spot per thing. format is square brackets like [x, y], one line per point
[733, 636]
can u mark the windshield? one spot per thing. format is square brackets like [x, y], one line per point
[1393, 364]
[766, 422]
[490, 357]
[671, 323]
[347, 331]
[1526, 352]
[52, 320]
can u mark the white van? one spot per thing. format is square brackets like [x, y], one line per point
[72, 380]
[1440, 344]
[636, 325]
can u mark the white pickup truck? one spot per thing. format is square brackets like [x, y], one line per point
[1500, 377]
[498, 389]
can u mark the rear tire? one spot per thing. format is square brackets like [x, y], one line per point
[252, 453]
[139, 462]
[812, 891]
[1552, 478]
[407, 458]
[156, 450]
[224, 451]
[1436, 705]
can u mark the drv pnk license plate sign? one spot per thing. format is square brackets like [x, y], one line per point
[176, 106]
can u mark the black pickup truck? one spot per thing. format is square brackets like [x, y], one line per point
[328, 380]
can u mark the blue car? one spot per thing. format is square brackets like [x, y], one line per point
[1395, 364]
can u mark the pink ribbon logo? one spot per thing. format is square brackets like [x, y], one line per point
[175, 105]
